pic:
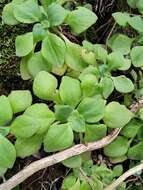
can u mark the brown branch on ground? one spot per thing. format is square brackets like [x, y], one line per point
[63, 155]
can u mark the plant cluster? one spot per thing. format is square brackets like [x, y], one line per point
[89, 74]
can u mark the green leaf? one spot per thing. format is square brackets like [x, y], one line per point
[88, 84]
[36, 64]
[28, 146]
[118, 170]
[95, 132]
[24, 73]
[24, 126]
[126, 65]
[56, 14]
[136, 22]
[135, 152]
[115, 61]
[116, 115]
[6, 113]
[120, 43]
[92, 109]
[131, 129]
[123, 84]
[107, 86]
[58, 137]
[88, 57]
[53, 50]
[2, 170]
[121, 18]
[100, 53]
[81, 19]
[76, 186]
[4, 131]
[20, 100]
[73, 162]
[44, 86]
[137, 56]
[77, 122]
[42, 114]
[117, 148]
[24, 44]
[39, 33]
[68, 182]
[7, 153]
[27, 12]
[46, 3]
[139, 5]
[70, 91]
[73, 56]
[62, 112]
[85, 186]
[8, 16]
[132, 3]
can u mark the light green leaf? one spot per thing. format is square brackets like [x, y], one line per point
[118, 170]
[7, 153]
[115, 60]
[56, 14]
[62, 112]
[73, 162]
[126, 65]
[39, 33]
[53, 50]
[58, 137]
[6, 113]
[46, 3]
[120, 43]
[24, 44]
[4, 131]
[88, 57]
[81, 19]
[2, 170]
[24, 126]
[92, 109]
[136, 22]
[70, 91]
[100, 53]
[20, 100]
[139, 5]
[132, 3]
[73, 56]
[135, 152]
[121, 18]
[116, 115]
[107, 86]
[68, 182]
[95, 132]
[76, 186]
[77, 122]
[42, 114]
[117, 148]
[123, 84]
[24, 73]
[131, 129]
[137, 56]
[29, 146]
[44, 86]
[36, 64]
[27, 12]
[8, 16]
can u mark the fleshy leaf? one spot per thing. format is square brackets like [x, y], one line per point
[136, 22]
[95, 132]
[24, 44]
[53, 50]
[27, 12]
[45, 85]
[20, 100]
[28, 146]
[6, 112]
[137, 56]
[117, 148]
[70, 91]
[121, 18]
[73, 162]
[92, 109]
[107, 86]
[135, 152]
[58, 137]
[116, 115]
[123, 84]
[62, 112]
[81, 19]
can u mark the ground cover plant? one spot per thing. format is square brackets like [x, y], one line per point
[84, 90]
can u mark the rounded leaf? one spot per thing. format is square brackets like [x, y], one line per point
[24, 44]
[20, 100]
[123, 84]
[58, 137]
[137, 56]
[135, 152]
[115, 60]
[73, 162]
[116, 115]
[136, 22]
[117, 148]
[6, 112]
[70, 91]
[44, 85]
[121, 18]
